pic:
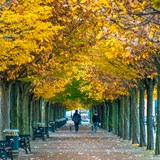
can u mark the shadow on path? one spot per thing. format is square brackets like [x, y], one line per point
[85, 145]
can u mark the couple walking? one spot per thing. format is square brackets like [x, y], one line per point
[77, 120]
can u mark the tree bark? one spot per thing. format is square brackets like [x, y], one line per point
[35, 111]
[50, 111]
[141, 115]
[134, 117]
[110, 116]
[115, 117]
[107, 110]
[104, 124]
[43, 105]
[126, 117]
[150, 83]
[5, 118]
[121, 133]
[157, 146]
[47, 113]
[24, 107]
[15, 105]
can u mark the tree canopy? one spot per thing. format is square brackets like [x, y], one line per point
[79, 51]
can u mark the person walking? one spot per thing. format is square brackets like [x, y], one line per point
[77, 120]
[95, 120]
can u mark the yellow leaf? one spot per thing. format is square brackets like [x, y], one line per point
[83, 1]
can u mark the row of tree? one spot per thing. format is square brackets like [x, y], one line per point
[79, 52]
[25, 111]
[126, 116]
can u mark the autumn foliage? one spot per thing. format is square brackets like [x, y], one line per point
[104, 46]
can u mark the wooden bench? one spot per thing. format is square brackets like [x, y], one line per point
[24, 142]
[6, 150]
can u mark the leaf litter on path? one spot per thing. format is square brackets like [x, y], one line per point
[63, 145]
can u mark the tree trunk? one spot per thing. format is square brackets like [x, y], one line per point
[141, 115]
[99, 109]
[15, 105]
[107, 110]
[110, 116]
[115, 117]
[54, 111]
[31, 115]
[119, 117]
[35, 112]
[24, 108]
[104, 124]
[121, 120]
[5, 118]
[157, 146]
[43, 105]
[47, 113]
[50, 111]
[150, 138]
[134, 117]
[126, 117]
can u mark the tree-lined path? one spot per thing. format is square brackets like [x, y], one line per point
[63, 145]
[60, 55]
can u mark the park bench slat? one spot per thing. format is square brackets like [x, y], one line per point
[6, 150]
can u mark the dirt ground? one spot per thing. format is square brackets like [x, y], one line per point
[85, 145]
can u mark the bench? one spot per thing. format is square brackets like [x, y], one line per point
[40, 130]
[24, 142]
[6, 150]
[60, 122]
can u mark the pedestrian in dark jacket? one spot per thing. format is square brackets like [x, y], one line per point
[95, 120]
[77, 120]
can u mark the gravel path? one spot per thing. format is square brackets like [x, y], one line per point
[85, 145]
